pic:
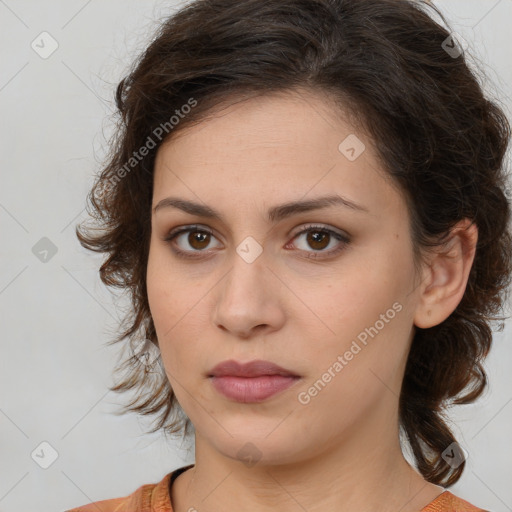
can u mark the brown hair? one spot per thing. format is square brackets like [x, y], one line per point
[439, 138]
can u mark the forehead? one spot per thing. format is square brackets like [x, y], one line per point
[296, 142]
[295, 122]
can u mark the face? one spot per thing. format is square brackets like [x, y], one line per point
[326, 292]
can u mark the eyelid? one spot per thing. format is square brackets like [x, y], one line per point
[184, 254]
[302, 229]
[343, 239]
[187, 227]
[320, 227]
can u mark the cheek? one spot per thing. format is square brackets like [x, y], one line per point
[164, 295]
[352, 300]
[160, 299]
[366, 319]
[168, 293]
[358, 368]
[177, 311]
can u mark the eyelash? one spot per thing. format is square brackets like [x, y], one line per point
[313, 227]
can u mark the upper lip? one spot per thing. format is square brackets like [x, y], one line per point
[251, 369]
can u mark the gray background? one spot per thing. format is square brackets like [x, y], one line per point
[57, 316]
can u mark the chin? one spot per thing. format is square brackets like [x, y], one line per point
[252, 448]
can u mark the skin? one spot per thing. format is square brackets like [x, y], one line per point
[341, 450]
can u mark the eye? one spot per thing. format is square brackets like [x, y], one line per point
[320, 238]
[196, 240]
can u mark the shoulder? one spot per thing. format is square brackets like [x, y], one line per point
[146, 498]
[448, 502]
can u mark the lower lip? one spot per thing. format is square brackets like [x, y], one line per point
[252, 389]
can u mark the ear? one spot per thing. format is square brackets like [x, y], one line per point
[446, 275]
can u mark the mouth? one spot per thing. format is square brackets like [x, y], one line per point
[256, 368]
[251, 382]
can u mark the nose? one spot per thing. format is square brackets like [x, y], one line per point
[249, 300]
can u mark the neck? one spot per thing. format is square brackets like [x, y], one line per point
[365, 471]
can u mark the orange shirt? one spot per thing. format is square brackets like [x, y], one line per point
[156, 498]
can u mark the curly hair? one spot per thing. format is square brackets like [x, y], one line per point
[442, 142]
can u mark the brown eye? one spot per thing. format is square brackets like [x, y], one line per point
[316, 239]
[190, 240]
[319, 242]
[198, 239]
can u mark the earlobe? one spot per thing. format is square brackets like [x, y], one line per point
[446, 276]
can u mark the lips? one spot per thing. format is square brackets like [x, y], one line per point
[251, 382]
[254, 368]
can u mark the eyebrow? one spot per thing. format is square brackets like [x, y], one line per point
[275, 213]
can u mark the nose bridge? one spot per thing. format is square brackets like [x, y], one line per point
[248, 261]
[247, 298]
[245, 283]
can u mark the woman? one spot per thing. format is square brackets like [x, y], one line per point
[306, 200]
